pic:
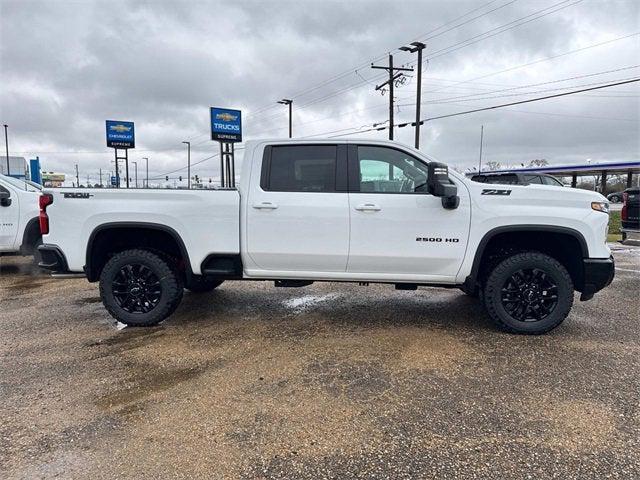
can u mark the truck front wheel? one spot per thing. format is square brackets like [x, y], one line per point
[529, 293]
[139, 288]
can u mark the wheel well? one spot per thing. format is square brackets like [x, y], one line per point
[566, 248]
[30, 237]
[111, 239]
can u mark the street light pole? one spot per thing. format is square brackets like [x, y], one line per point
[188, 164]
[135, 166]
[147, 175]
[6, 143]
[417, 47]
[288, 101]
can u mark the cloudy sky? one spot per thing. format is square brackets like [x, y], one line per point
[67, 66]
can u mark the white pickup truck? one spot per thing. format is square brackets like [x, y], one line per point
[327, 210]
[19, 229]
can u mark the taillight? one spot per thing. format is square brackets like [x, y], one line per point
[624, 214]
[45, 200]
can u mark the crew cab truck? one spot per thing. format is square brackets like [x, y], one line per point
[327, 210]
[19, 228]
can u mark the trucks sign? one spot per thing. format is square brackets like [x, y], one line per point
[120, 134]
[226, 125]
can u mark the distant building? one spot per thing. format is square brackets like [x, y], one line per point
[52, 179]
[17, 166]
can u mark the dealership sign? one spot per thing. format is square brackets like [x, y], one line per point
[226, 125]
[120, 134]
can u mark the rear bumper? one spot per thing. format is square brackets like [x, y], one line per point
[598, 273]
[52, 259]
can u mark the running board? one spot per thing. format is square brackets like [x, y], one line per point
[292, 283]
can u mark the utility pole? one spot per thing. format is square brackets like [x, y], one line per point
[135, 166]
[288, 101]
[481, 139]
[6, 143]
[77, 177]
[417, 47]
[188, 164]
[393, 76]
[100, 177]
[147, 175]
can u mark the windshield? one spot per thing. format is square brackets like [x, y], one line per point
[21, 184]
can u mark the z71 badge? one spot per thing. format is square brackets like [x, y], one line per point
[494, 191]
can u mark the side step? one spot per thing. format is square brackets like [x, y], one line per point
[406, 286]
[292, 283]
[219, 272]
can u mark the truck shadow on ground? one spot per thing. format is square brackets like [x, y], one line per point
[344, 308]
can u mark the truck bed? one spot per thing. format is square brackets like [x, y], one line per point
[207, 221]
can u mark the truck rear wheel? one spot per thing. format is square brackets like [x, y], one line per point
[202, 285]
[139, 288]
[529, 293]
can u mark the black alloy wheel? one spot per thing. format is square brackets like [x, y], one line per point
[136, 289]
[529, 295]
[140, 288]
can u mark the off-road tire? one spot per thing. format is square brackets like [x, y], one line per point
[199, 284]
[169, 282]
[503, 271]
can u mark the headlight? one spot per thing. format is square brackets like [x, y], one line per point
[600, 206]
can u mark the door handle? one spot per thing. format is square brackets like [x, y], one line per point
[265, 206]
[368, 207]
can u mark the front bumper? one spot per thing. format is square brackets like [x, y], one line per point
[598, 273]
[52, 259]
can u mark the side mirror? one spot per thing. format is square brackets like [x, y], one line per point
[439, 185]
[5, 198]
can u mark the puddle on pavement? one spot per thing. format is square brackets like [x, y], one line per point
[300, 304]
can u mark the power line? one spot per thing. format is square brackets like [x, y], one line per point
[553, 57]
[514, 24]
[438, 102]
[381, 56]
[539, 84]
[510, 26]
[401, 125]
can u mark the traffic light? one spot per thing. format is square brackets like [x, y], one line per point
[166, 178]
[180, 178]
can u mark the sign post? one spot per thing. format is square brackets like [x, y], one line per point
[121, 135]
[226, 128]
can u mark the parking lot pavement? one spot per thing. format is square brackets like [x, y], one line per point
[327, 381]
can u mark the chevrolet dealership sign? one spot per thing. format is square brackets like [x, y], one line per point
[120, 134]
[226, 125]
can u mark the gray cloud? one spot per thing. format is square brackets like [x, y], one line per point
[68, 66]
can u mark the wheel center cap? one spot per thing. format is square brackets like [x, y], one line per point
[135, 291]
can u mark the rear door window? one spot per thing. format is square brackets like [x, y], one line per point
[302, 168]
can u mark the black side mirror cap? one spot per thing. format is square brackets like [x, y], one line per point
[439, 185]
[5, 198]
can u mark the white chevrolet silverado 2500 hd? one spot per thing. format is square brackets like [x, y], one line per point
[358, 211]
[19, 229]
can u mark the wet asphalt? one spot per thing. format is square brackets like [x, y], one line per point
[327, 381]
